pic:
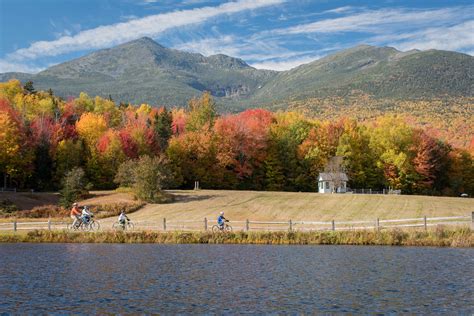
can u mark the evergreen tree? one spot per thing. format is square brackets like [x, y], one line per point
[274, 176]
[74, 187]
[28, 87]
[163, 128]
[43, 163]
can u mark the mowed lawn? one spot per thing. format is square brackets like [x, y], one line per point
[274, 206]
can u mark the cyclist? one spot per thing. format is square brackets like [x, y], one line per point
[221, 220]
[86, 215]
[122, 218]
[75, 213]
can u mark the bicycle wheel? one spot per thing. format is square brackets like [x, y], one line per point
[228, 229]
[84, 227]
[117, 227]
[216, 229]
[71, 227]
[93, 225]
[130, 226]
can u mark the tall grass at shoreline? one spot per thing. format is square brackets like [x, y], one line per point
[440, 237]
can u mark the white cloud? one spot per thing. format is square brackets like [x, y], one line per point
[128, 17]
[284, 64]
[264, 53]
[377, 20]
[458, 38]
[6, 66]
[226, 44]
[340, 10]
[153, 25]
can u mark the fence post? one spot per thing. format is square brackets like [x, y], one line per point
[377, 224]
[472, 223]
[425, 223]
[205, 224]
[333, 225]
[291, 225]
[370, 191]
[14, 226]
[164, 224]
[49, 223]
[247, 225]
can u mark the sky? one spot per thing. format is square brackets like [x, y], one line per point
[267, 34]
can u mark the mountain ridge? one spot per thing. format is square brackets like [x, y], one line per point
[145, 71]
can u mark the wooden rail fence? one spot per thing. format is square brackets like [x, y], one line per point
[249, 225]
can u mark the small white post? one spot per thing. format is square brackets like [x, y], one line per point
[49, 223]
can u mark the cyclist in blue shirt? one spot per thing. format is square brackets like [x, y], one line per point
[221, 220]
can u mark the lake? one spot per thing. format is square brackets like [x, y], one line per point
[228, 279]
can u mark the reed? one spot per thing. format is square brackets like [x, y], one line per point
[440, 237]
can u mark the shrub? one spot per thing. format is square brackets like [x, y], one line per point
[109, 210]
[38, 212]
[7, 207]
[147, 176]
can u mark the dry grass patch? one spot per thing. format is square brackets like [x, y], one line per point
[282, 206]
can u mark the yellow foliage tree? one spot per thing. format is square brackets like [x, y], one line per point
[90, 128]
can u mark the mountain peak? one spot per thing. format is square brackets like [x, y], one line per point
[142, 41]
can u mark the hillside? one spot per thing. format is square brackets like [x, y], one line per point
[144, 71]
[381, 72]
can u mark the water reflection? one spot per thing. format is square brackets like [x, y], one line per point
[115, 278]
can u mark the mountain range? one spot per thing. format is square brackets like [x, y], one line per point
[144, 71]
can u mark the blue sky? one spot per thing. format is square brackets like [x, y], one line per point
[270, 34]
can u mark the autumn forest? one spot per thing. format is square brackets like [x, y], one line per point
[42, 137]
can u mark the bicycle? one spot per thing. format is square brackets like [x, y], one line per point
[125, 226]
[222, 229]
[76, 226]
[90, 225]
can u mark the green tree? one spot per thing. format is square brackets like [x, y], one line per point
[146, 175]
[29, 88]
[43, 166]
[69, 154]
[163, 128]
[125, 174]
[74, 187]
[202, 113]
[274, 176]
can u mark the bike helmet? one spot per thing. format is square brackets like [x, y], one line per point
[221, 213]
[74, 204]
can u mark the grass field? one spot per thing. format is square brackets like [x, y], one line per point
[272, 206]
[240, 205]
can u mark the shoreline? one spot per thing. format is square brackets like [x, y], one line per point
[438, 237]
